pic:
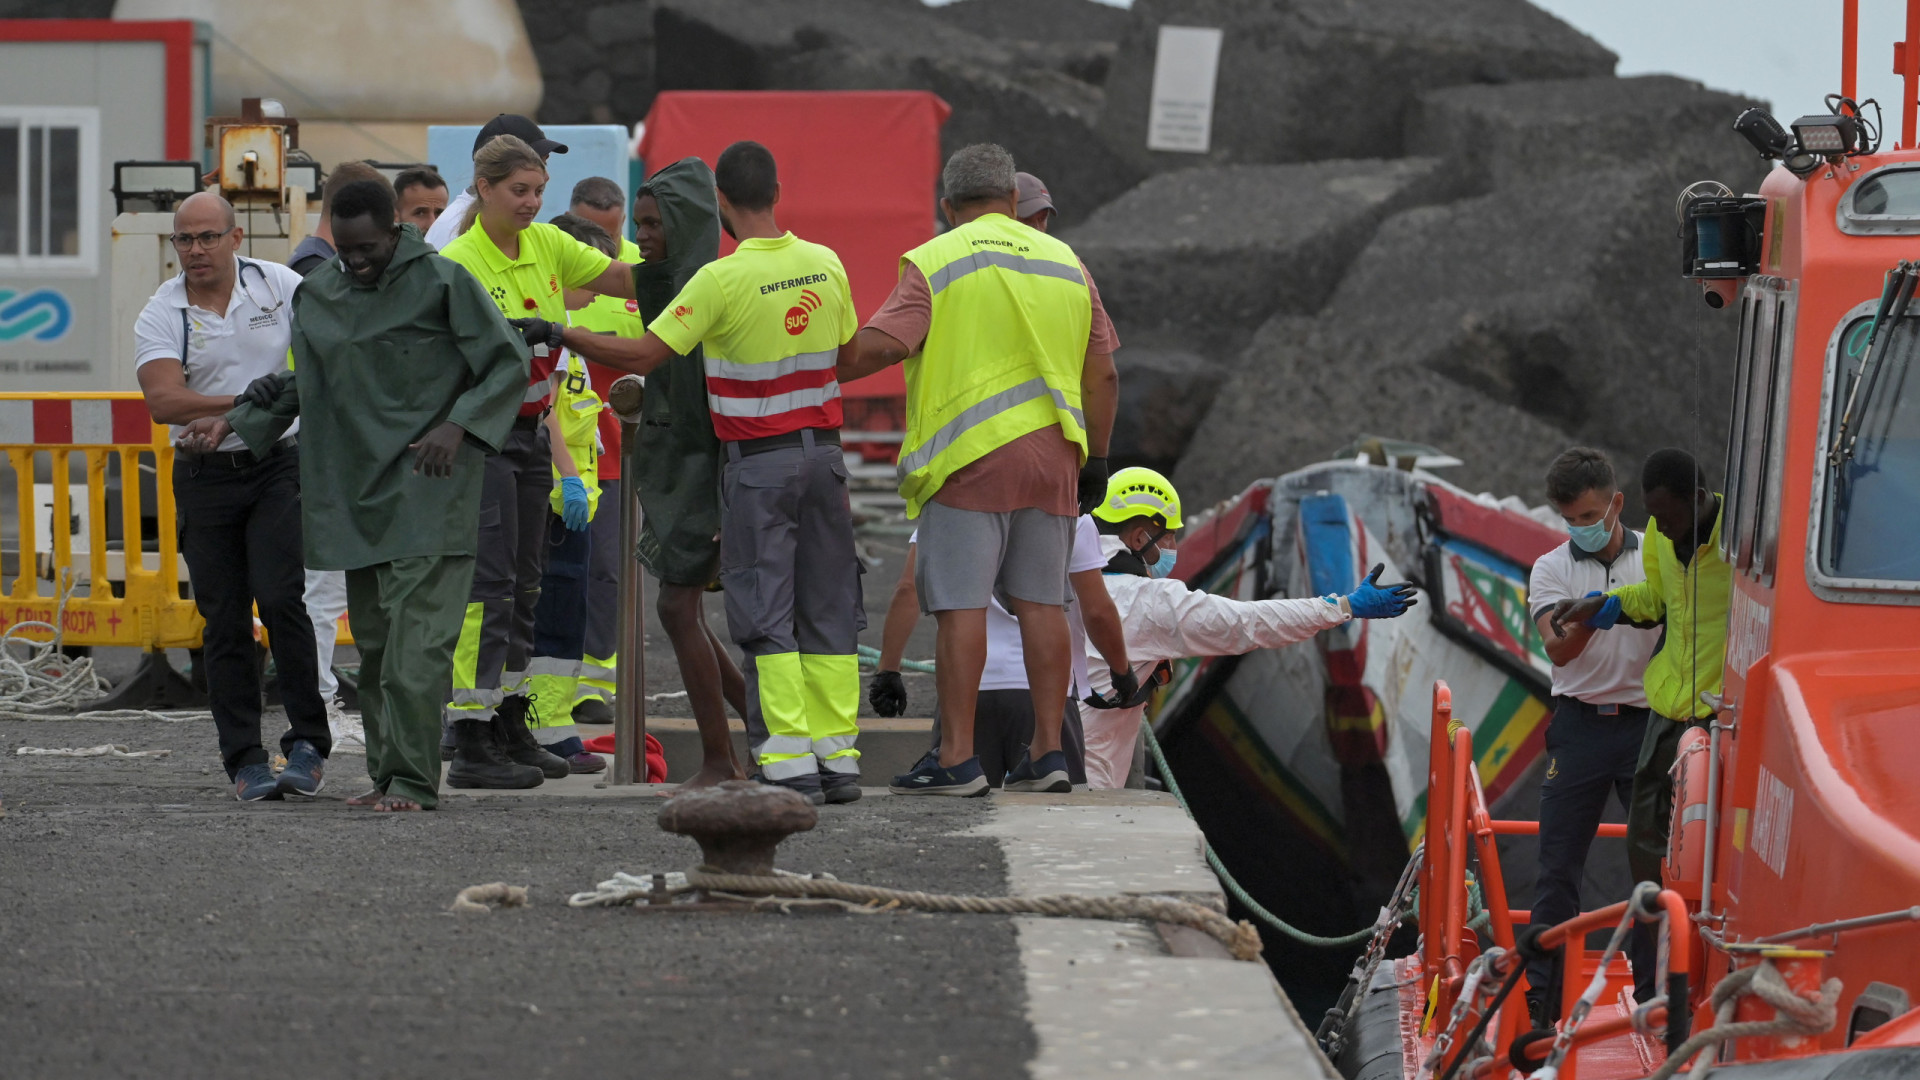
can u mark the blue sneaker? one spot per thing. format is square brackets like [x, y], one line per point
[305, 771]
[1048, 774]
[255, 782]
[964, 780]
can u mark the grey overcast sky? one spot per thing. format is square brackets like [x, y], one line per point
[1786, 52]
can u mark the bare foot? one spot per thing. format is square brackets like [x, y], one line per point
[390, 804]
[367, 798]
[710, 776]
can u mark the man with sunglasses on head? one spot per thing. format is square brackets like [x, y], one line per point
[203, 341]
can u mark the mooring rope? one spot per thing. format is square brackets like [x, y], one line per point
[1240, 939]
[1795, 1015]
[1227, 881]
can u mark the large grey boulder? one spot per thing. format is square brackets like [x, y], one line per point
[1303, 80]
[1077, 37]
[1037, 20]
[1500, 328]
[1044, 116]
[1501, 136]
[596, 59]
[1164, 395]
[1228, 247]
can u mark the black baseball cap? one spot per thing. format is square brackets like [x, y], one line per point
[520, 128]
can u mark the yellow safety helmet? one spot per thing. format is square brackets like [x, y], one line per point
[1136, 492]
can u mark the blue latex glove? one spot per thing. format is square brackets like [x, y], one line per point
[575, 511]
[1375, 601]
[1607, 615]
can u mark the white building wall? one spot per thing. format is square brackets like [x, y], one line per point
[118, 88]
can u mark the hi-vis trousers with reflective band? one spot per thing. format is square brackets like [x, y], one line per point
[597, 663]
[496, 638]
[559, 628]
[792, 582]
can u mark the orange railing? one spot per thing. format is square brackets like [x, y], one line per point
[1459, 824]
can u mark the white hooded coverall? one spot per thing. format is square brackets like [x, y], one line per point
[1163, 619]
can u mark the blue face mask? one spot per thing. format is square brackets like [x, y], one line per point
[1591, 538]
[1164, 568]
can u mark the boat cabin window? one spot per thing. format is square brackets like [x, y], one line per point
[1870, 514]
[1884, 202]
[1750, 526]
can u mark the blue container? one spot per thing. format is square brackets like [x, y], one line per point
[592, 150]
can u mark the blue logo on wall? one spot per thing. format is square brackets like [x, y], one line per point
[42, 314]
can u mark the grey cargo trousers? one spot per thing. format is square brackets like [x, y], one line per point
[792, 581]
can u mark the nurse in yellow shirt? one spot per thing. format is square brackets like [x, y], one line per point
[526, 267]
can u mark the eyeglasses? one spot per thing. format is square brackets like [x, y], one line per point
[189, 241]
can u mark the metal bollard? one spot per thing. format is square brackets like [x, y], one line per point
[738, 823]
[630, 685]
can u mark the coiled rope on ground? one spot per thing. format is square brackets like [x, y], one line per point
[39, 682]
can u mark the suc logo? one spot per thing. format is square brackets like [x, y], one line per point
[41, 314]
[799, 315]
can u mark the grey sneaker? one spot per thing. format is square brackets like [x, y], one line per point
[964, 780]
[255, 783]
[305, 771]
[1049, 774]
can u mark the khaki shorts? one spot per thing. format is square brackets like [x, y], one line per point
[968, 556]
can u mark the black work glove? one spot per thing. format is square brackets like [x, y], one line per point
[1125, 688]
[265, 390]
[887, 693]
[433, 455]
[1093, 483]
[537, 332]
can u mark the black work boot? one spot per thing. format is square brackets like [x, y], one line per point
[592, 710]
[510, 724]
[479, 763]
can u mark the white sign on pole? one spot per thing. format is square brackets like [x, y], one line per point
[1184, 71]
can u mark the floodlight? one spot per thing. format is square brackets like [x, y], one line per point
[1826, 134]
[1759, 128]
[150, 186]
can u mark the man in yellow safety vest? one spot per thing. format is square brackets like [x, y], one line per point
[1010, 393]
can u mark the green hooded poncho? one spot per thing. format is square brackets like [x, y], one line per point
[677, 467]
[375, 368]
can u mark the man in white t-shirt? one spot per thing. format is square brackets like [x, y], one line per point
[1599, 699]
[202, 342]
[1003, 723]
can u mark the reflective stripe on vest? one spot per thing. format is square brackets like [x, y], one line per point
[774, 404]
[977, 414]
[1004, 353]
[1019, 264]
[823, 360]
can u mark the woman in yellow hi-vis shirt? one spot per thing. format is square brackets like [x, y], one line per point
[526, 267]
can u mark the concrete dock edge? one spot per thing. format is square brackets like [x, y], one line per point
[1118, 999]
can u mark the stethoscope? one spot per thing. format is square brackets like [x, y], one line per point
[247, 290]
[240, 278]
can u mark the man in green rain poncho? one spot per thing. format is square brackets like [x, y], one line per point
[405, 377]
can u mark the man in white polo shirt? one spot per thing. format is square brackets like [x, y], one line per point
[202, 341]
[1599, 698]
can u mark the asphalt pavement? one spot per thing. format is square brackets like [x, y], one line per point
[150, 926]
